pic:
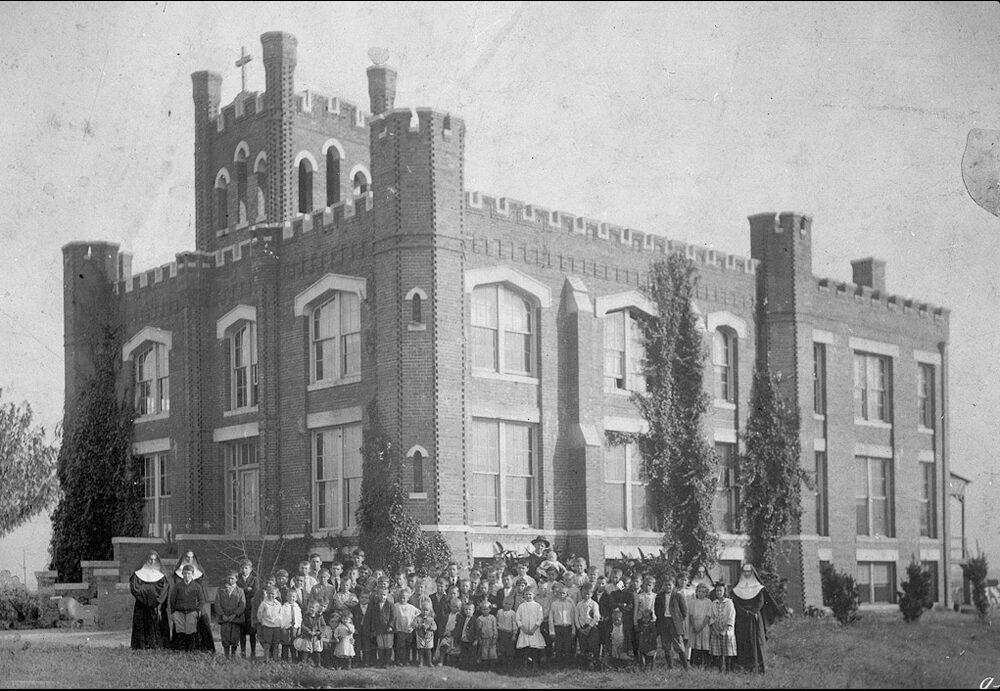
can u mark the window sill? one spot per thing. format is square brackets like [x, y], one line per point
[240, 411]
[418, 495]
[500, 376]
[618, 392]
[625, 533]
[416, 327]
[723, 405]
[222, 233]
[819, 417]
[924, 430]
[316, 386]
[879, 424]
[335, 532]
[152, 417]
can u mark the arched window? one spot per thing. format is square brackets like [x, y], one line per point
[503, 330]
[222, 200]
[241, 186]
[361, 183]
[305, 186]
[239, 328]
[332, 176]
[260, 172]
[149, 351]
[724, 364]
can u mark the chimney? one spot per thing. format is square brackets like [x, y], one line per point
[381, 88]
[869, 272]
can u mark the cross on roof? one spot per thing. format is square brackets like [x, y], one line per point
[245, 57]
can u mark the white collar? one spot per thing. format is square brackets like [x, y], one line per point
[197, 574]
[747, 589]
[147, 574]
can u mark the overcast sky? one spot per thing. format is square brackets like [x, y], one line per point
[674, 119]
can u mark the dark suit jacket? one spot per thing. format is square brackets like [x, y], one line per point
[677, 608]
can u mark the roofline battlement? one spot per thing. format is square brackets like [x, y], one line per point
[184, 264]
[554, 220]
[892, 303]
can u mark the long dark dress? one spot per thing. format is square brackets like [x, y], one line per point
[752, 619]
[205, 640]
[147, 622]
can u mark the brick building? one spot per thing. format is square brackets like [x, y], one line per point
[339, 257]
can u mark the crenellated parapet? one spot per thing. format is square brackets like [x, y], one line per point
[250, 104]
[552, 220]
[866, 295]
[183, 265]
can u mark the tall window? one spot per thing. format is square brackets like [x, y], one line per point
[819, 378]
[503, 330]
[155, 472]
[876, 581]
[261, 175]
[624, 352]
[336, 338]
[726, 507]
[305, 186]
[925, 395]
[337, 477]
[332, 176]
[221, 206]
[241, 188]
[416, 308]
[822, 496]
[242, 488]
[928, 500]
[624, 488]
[152, 380]
[243, 356]
[873, 496]
[504, 455]
[418, 472]
[724, 364]
[872, 378]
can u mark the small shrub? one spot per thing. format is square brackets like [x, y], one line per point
[18, 607]
[975, 570]
[840, 593]
[916, 595]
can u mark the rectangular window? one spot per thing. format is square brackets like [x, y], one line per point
[871, 387]
[624, 489]
[928, 503]
[726, 507]
[614, 352]
[244, 367]
[616, 486]
[503, 465]
[931, 567]
[724, 365]
[876, 582]
[819, 378]
[242, 488]
[925, 395]
[502, 331]
[624, 352]
[152, 380]
[484, 328]
[337, 468]
[822, 496]
[336, 338]
[873, 496]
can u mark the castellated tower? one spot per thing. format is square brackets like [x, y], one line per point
[90, 270]
[417, 173]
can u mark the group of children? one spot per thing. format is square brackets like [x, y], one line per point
[350, 615]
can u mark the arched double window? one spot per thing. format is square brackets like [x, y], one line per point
[305, 166]
[334, 154]
[149, 351]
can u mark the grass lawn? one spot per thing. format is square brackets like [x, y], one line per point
[943, 649]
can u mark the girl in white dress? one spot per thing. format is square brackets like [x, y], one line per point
[529, 619]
